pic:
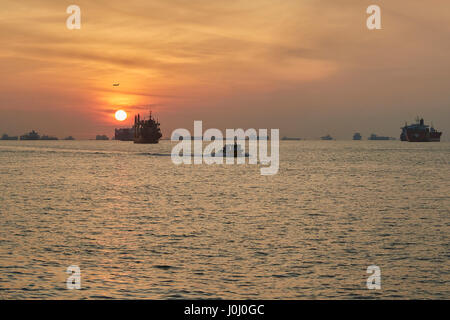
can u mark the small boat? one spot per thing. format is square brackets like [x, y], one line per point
[234, 150]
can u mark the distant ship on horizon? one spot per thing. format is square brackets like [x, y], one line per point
[124, 134]
[357, 136]
[143, 131]
[101, 137]
[373, 136]
[327, 137]
[291, 139]
[420, 132]
[33, 135]
[45, 137]
[6, 137]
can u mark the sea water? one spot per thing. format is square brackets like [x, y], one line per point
[139, 226]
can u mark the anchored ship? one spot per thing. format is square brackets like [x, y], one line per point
[6, 137]
[146, 131]
[373, 136]
[327, 137]
[45, 137]
[357, 136]
[291, 139]
[101, 137]
[33, 135]
[420, 132]
[124, 134]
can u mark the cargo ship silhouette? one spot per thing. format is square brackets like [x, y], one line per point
[327, 137]
[143, 131]
[357, 136]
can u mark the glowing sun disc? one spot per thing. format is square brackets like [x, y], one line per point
[120, 115]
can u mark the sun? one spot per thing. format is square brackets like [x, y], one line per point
[121, 115]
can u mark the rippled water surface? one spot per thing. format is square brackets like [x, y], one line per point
[139, 226]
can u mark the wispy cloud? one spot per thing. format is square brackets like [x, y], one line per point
[215, 59]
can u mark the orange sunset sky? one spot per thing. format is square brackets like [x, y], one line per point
[307, 67]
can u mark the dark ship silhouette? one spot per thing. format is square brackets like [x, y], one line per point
[143, 131]
[46, 137]
[33, 135]
[146, 131]
[420, 132]
[231, 150]
[101, 137]
[357, 136]
[327, 137]
[124, 134]
[290, 139]
[374, 136]
[6, 137]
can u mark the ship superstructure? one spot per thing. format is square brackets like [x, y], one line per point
[146, 130]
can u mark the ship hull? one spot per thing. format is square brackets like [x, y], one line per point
[147, 141]
[435, 136]
[403, 137]
[423, 136]
[27, 138]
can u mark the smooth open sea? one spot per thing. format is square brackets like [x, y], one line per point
[139, 226]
